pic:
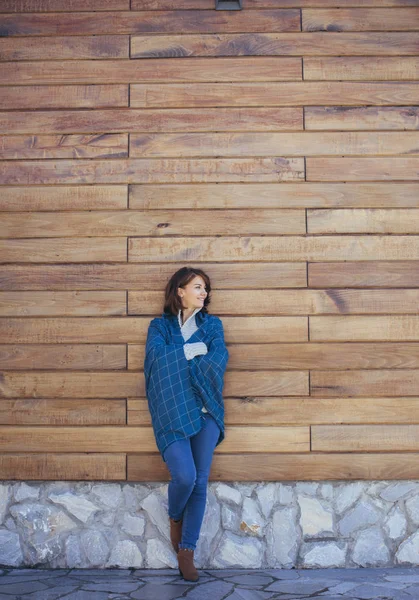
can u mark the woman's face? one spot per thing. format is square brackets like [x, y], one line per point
[194, 293]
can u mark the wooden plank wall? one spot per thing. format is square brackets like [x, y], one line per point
[277, 147]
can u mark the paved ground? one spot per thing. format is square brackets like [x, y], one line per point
[146, 584]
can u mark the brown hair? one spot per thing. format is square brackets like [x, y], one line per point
[172, 301]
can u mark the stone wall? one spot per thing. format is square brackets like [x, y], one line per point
[249, 525]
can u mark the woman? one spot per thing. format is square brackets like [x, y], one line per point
[184, 366]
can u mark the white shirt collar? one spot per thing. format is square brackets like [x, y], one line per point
[192, 315]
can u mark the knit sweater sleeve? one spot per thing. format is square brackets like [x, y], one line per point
[192, 350]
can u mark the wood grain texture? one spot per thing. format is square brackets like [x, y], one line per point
[64, 47]
[69, 250]
[376, 383]
[62, 412]
[113, 121]
[365, 438]
[143, 170]
[266, 68]
[364, 328]
[52, 467]
[301, 411]
[274, 44]
[313, 466]
[63, 356]
[95, 304]
[269, 248]
[360, 19]
[63, 96]
[24, 6]
[63, 198]
[380, 274]
[367, 220]
[310, 143]
[395, 168]
[358, 68]
[139, 276]
[149, 223]
[297, 93]
[102, 146]
[340, 118]
[273, 195]
[118, 22]
[258, 4]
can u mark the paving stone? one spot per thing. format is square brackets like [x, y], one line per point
[299, 587]
[121, 587]
[53, 594]
[153, 591]
[25, 587]
[250, 580]
[81, 595]
[282, 573]
[241, 594]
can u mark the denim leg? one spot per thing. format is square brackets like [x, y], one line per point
[202, 445]
[180, 462]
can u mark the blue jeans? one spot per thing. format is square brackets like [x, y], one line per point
[189, 463]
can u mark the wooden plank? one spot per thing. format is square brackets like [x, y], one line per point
[270, 248]
[105, 330]
[359, 68]
[301, 411]
[274, 44]
[133, 120]
[310, 143]
[312, 355]
[78, 197]
[108, 145]
[104, 384]
[136, 276]
[368, 220]
[19, 6]
[73, 330]
[66, 251]
[298, 93]
[362, 169]
[336, 117]
[360, 19]
[63, 356]
[365, 328]
[62, 412]
[138, 170]
[23, 304]
[141, 439]
[290, 302]
[142, 21]
[150, 223]
[403, 274]
[273, 195]
[63, 96]
[64, 47]
[266, 68]
[258, 4]
[365, 438]
[62, 467]
[365, 383]
[288, 467]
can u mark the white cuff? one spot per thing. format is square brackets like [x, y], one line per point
[192, 350]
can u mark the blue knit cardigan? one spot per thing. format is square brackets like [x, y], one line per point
[177, 388]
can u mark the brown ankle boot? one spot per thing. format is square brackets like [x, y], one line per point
[175, 533]
[186, 566]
